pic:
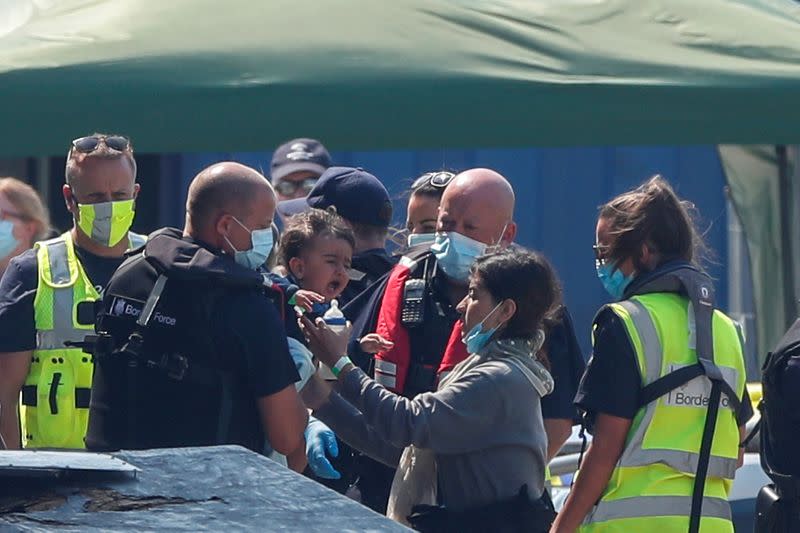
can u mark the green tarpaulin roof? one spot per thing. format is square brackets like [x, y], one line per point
[190, 75]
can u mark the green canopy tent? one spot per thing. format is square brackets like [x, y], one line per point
[190, 75]
[764, 193]
[195, 75]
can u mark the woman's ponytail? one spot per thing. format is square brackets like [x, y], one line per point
[652, 215]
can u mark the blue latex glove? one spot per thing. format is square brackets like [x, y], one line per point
[319, 441]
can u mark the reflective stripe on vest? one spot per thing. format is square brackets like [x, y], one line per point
[654, 476]
[635, 454]
[652, 506]
[55, 397]
[386, 373]
[61, 326]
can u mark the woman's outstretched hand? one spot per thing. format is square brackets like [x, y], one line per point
[327, 345]
[373, 343]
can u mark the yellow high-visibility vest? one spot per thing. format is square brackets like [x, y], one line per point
[651, 486]
[55, 397]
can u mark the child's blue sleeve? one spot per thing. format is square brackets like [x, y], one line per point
[289, 289]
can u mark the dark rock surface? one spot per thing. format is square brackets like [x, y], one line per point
[224, 488]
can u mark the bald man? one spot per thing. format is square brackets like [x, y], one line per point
[209, 364]
[416, 310]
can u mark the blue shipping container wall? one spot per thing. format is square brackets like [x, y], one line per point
[558, 193]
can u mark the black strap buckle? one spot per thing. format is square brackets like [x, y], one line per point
[29, 397]
[175, 366]
[83, 397]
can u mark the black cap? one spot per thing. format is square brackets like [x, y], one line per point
[299, 155]
[357, 195]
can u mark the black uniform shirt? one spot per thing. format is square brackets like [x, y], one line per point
[566, 366]
[240, 332]
[18, 290]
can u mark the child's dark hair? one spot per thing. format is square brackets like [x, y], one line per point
[304, 227]
[529, 280]
[654, 216]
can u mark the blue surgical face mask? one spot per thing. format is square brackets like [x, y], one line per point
[455, 254]
[476, 338]
[257, 255]
[614, 281]
[8, 243]
[416, 239]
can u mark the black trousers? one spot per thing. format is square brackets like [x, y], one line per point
[517, 515]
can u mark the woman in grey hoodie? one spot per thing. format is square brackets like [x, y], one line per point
[470, 456]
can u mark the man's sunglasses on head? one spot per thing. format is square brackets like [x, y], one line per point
[289, 188]
[436, 179]
[87, 145]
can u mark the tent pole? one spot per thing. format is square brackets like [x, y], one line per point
[785, 187]
[43, 179]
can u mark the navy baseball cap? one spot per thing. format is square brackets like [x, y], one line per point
[357, 195]
[299, 155]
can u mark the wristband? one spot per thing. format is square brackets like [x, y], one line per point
[340, 364]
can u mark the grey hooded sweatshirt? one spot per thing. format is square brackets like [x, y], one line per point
[484, 427]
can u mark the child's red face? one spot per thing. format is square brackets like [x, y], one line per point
[323, 266]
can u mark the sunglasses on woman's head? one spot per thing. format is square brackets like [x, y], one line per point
[87, 145]
[436, 179]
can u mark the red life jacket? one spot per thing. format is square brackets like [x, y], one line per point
[277, 295]
[391, 367]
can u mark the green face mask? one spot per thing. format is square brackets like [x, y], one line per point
[106, 223]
